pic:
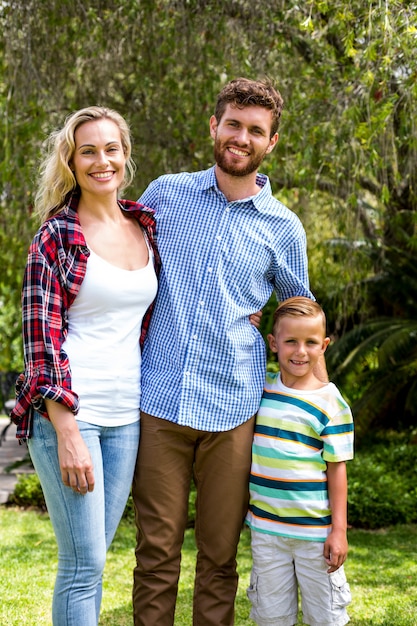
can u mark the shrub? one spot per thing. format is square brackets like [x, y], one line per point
[383, 486]
[28, 492]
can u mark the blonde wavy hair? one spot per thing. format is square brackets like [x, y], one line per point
[298, 306]
[57, 180]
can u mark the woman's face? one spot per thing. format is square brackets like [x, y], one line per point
[99, 160]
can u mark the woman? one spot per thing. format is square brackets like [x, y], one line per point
[89, 283]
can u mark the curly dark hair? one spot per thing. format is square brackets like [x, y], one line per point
[243, 92]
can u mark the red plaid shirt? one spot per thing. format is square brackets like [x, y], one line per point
[55, 269]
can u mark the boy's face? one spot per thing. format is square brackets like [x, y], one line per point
[299, 343]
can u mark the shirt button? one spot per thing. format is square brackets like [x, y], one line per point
[187, 373]
[218, 237]
[210, 269]
[201, 303]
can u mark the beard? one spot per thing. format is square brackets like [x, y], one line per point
[220, 156]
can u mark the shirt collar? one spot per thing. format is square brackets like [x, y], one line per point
[144, 214]
[74, 234]
[209, 181]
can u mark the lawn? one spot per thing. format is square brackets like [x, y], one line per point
[381, 569]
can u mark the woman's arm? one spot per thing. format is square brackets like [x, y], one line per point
[74, 457]
[336, 546]
[48, 290]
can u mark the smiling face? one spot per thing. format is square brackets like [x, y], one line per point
[242, 139]
[299, 342]
[99, 160]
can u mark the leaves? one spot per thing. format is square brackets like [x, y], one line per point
[347, 157]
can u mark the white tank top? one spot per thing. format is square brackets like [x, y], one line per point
[104, 325]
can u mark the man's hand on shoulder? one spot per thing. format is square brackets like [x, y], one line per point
[255, 319]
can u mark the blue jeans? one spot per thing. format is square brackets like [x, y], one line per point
[84, 525]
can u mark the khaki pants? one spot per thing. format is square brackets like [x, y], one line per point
[168, 456]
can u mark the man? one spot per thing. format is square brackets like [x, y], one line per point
[225, 243]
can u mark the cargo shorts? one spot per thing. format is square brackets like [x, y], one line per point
[281, 568]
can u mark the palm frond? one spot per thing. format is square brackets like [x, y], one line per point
[349, 352]
[400, 346]
[375, 364]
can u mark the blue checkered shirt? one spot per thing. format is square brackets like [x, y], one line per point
[203, 363]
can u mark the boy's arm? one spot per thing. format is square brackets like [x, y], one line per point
[336, 546]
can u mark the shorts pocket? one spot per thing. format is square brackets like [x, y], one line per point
[252, 590]
[340, 589]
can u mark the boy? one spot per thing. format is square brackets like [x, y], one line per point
[298, 486]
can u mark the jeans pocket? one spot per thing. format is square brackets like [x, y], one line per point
[341, 595]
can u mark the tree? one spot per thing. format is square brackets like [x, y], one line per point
[346, 161]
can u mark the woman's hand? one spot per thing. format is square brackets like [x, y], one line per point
[74, 457]
[75, 462]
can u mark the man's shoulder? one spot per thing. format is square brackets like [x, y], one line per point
[184, 178]
[278, 208]
[179, 189]
[270, 204]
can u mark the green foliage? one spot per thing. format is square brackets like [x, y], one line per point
[129, 512]
[383, 486]
[375, 363]
[28, 492]
[10, 329]
[347, 157]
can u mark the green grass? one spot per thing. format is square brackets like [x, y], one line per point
[381, 569]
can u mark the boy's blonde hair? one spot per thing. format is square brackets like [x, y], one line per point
[298, 306]
[57, 181]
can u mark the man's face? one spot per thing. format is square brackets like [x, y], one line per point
[242, 139]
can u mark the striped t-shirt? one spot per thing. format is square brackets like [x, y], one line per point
[297, 432]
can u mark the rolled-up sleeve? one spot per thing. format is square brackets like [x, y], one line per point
[44, 325]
